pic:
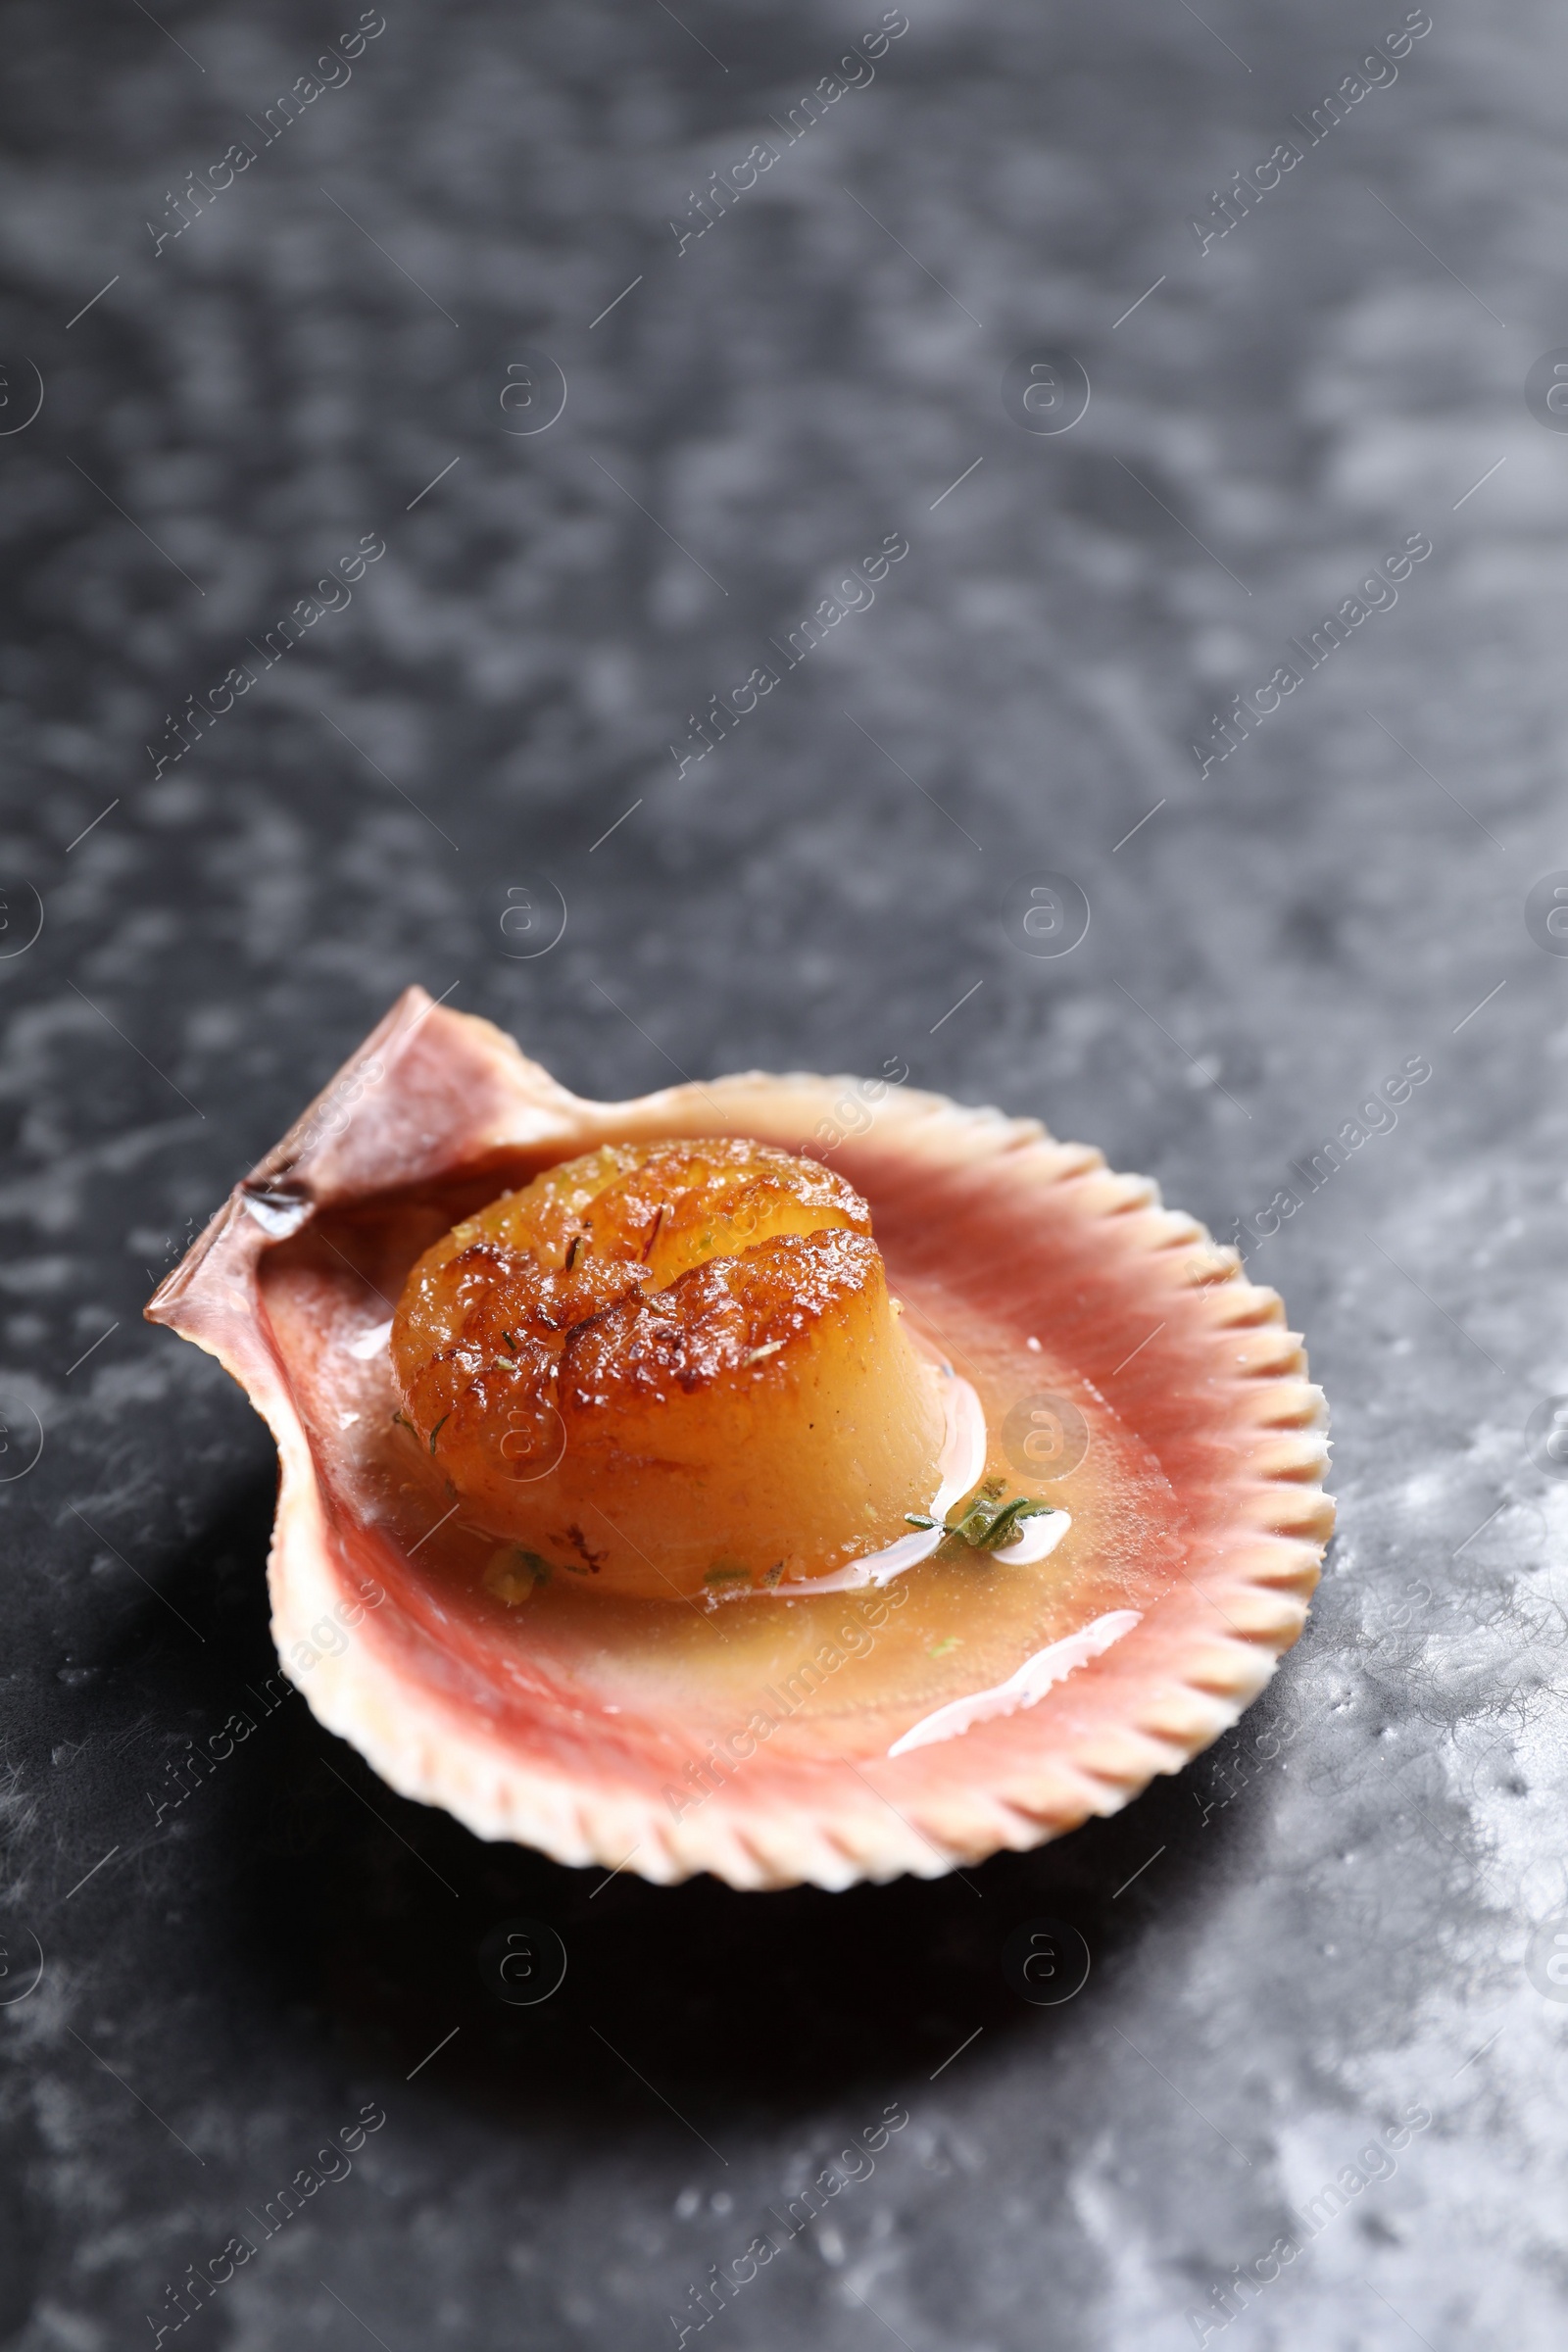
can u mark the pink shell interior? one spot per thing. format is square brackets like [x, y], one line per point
[591, 1730]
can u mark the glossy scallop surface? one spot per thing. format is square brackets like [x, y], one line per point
[669, 1368]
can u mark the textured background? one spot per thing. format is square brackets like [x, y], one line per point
[1344, 1914]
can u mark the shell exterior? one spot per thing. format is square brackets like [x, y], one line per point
[435, 1114]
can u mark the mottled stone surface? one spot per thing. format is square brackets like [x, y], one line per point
[1336, 1914]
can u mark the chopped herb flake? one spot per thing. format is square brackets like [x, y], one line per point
[513, 1574]
[1008, 1525]
[988, 1524]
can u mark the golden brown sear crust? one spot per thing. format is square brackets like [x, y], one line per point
[669, 1368]
[692, 1201]
[630, 1266]
[717, 1321]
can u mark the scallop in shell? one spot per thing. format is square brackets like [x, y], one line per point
[1047, 1514]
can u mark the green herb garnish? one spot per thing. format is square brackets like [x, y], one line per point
[439, 1427]
[1008, 1525]
[986, 1523]
[514, 1574]
[726, 1572]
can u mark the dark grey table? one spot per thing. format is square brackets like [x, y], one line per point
[269, 334]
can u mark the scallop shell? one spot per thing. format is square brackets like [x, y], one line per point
[1029, 1236]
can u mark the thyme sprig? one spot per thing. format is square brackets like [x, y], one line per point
[986, 1523]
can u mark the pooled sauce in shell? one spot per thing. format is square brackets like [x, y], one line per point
[871, 1662]
[670, 1368]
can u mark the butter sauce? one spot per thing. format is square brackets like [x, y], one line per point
[961, 1462]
